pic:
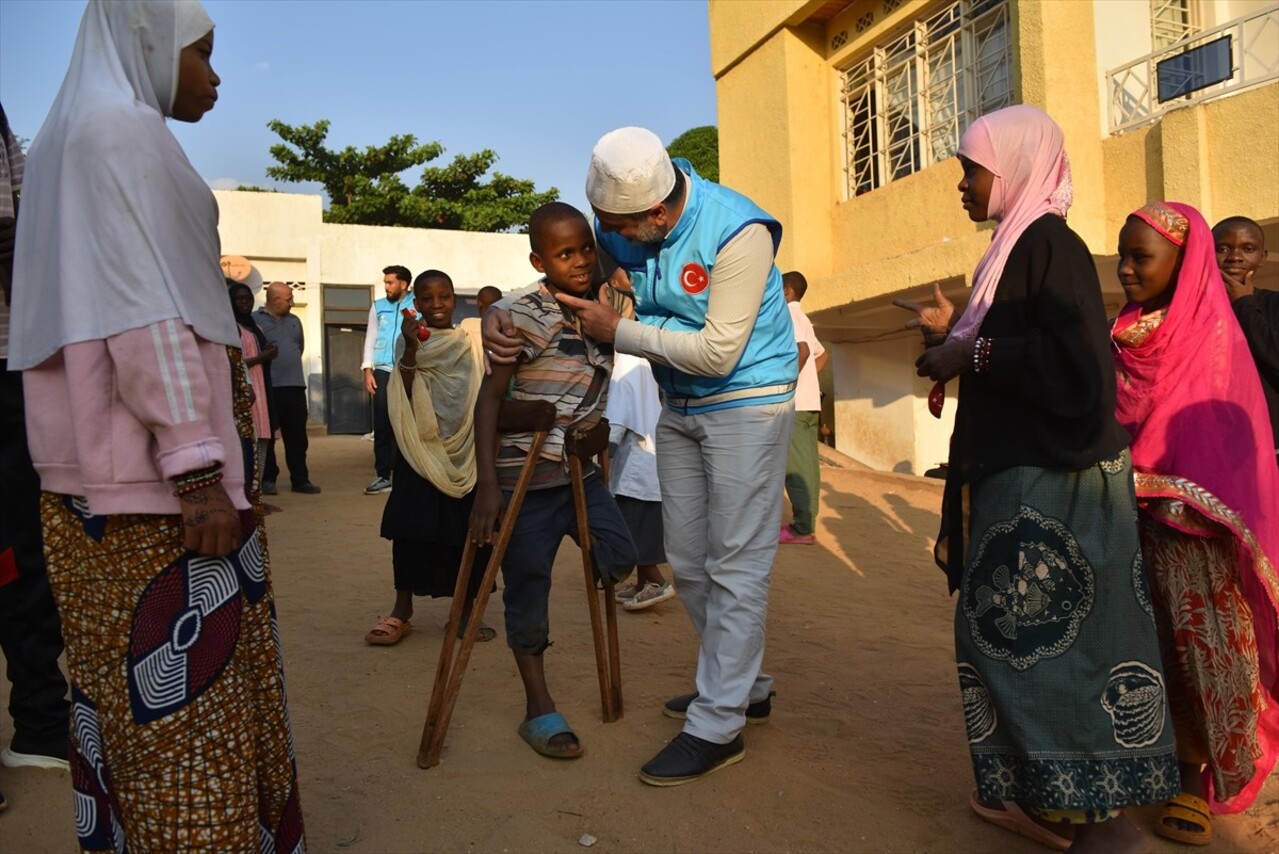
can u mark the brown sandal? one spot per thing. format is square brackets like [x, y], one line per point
[388, 632]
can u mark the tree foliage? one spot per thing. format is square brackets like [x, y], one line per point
[365, 188]
[699, 146]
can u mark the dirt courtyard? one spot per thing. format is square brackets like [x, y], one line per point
[865, 751]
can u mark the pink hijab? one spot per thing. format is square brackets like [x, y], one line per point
[1190, 396]
[1025, 151]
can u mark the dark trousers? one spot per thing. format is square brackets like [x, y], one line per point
[290, 407]
[30, 633]
[383, 436]
[546, 516]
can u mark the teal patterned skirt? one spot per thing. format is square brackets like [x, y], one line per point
[1055, 642]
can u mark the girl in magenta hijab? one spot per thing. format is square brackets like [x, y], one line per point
[1209, 508]
[1055, 641]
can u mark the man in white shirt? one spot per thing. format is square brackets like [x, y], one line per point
[803, 473]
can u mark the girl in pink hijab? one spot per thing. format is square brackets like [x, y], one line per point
[1055, 641]
[1209, 498]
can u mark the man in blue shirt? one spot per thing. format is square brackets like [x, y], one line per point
[379, 361]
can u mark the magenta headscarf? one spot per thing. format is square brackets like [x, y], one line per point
[1025, 151]
[1190, 396]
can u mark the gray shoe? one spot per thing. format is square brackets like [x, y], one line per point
[649, 595]
[378, 486]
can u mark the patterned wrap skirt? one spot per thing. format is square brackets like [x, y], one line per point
[1210, 649]
[1059, 667]
[180, 733]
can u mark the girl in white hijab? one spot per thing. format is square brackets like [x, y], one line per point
[136, 410]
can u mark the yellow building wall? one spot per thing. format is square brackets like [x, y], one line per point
[781, 143]
[1221, 156]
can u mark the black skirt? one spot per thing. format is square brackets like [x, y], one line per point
[428, 533]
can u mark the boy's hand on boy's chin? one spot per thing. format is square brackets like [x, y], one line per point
[1237, 287]
[486, 514]
[597, 320]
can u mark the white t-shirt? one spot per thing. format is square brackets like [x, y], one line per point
[808, 397]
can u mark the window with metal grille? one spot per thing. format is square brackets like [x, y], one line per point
[1170, 22]
[908, 101]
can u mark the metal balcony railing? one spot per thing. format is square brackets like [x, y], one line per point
[1235, 56]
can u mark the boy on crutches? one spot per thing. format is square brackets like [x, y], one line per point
[561, 366]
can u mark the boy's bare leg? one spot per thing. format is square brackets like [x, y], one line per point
[538, 699]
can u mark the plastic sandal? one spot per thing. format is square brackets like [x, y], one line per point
[1013, 818]
[1190, 809]
[388, 632]
[539, 731]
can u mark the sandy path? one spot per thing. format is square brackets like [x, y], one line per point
[865, 751]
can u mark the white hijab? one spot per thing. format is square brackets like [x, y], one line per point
[117, 230]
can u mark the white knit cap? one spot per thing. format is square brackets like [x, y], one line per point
[630, 172]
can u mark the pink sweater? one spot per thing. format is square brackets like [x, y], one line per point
[113, 420]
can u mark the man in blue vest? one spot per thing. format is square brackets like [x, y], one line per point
[379, 357]
[712, 320]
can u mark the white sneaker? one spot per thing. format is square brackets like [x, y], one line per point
[378, 486]
[11, 759]
[649, 596]
[622, 594]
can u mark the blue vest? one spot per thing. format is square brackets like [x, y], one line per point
[672, 291]
[388, 327]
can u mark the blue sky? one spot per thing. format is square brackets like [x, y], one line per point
[538, 81]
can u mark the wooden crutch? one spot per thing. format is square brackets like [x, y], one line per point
[608, 665]
[449, 671]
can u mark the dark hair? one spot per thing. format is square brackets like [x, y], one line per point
[672, 198]
[796, 282]
[489, 291]
[1234, 221]
[401, 273]
[548, 215]
[430, 276]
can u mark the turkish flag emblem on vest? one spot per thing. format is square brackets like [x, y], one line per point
[694, 278]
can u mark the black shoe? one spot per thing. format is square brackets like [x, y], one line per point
[756, 713]
[307, 488]
[268, 488]
[688, 758]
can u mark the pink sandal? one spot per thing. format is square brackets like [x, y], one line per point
[1013, 818]
[388, 632]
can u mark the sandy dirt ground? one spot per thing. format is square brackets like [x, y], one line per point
[865, 750]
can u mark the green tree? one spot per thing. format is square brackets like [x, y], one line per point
[699, 146]
[365, 187]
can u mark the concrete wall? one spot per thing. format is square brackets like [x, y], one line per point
[285, 237]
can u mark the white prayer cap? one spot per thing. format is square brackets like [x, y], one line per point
[630, 172]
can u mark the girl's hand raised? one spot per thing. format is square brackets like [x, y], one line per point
[935, 320]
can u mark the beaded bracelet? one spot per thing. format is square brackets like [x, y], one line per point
[981, 355]
[194, 481]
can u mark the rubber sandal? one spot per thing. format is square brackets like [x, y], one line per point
[1013, 818]
[388, 632]
[1190, 809]
[539, 731]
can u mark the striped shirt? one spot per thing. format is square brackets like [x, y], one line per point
[560, 365]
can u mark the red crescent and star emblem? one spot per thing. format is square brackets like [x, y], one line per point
[694, 278]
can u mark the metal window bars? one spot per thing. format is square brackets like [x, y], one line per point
[1254, 39]
[907, 103]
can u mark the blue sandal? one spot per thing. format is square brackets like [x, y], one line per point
[539, 731]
